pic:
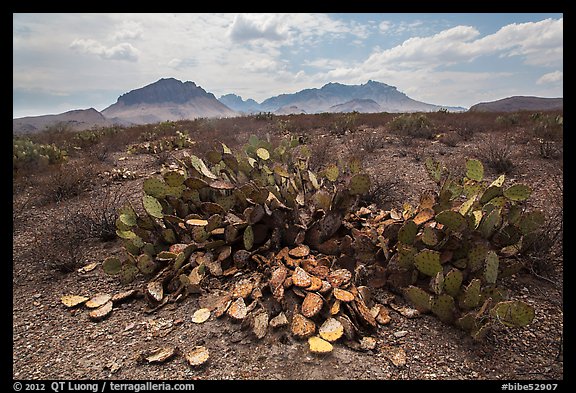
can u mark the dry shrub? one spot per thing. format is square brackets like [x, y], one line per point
[496, 153]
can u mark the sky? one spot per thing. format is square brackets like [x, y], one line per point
[71, 61]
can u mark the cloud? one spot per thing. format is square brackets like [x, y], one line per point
[551, 78]
[244, 29]
[129, 30]
[122, 51]
[179, 63]
[385, 26]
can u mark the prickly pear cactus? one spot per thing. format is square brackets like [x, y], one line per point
[459, 252]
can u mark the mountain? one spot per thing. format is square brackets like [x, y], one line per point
[76, 120]
[362, 105]
[167, 99]
[237, 104]
[321, 100]
[519, 103]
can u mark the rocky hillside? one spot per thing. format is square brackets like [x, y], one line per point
[519, 103]
[75, 120]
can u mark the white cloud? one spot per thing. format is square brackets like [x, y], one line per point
[385, 26]
[247, 28]
[122, 51]
[129, 30]
[551, 78]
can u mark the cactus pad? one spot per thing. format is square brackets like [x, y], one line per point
[112, 265]
[437, 283]
[490, 193]
[489, 223]
[154, 187]
[174, 178]
[331, 172]
[531, 221]
[498, 182]
[248, 237]
[434, 169]
[451, 219]
[452, 282]
[359, 184]
[128, 273]
[491, 267]
[513, 313]
[407, 233]
[429, 236]
[152, 206]
[443, 307]
[471, 296]
[145, 264]
[419, 298]
[474, 170]
[518, 192]
[262, 153]
[428, 262]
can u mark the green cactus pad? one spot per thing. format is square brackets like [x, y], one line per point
[145, 264]
[195, 183]
[513, 313]
[419, 298]
[451, 219]
[407, 233]
[453, 282]
[474, 170]
[152, 206]
[406, 255]
[331, 172]
[491, 267]
[355, 165]
[166, 256]
[127, 216]
[518, 192]
[213, 157]
[434, 169]
[154, 187]
[174, 178]
[443, 307]
[531, 221]
[490, 193]
[359, 184]
[472, 189]
[428, 262]
[199, 234]
[169, 236]
[128, 273]
[468, 322]
[112, 265]
[489, 223]
[179, 260]
[429, 236]
[248, 237]
[476, 257]
[125, 234]
[437, 283]
[471, 296]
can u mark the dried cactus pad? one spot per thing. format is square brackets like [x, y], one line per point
[73, 300]
[331, 330]
[197, 356]
[319, 345]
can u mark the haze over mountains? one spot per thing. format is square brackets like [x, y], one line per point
[171, 99]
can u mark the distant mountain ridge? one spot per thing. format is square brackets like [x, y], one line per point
[332, 96]
[519, 103]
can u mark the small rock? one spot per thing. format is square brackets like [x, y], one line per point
[279, 320]
[400, 333]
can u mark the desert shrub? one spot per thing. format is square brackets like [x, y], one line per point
[496, 153]
[549, 133]
[344, 123]
[67, 182]
[367, 141]
[412, 125]
[509, 120]
[449, 139]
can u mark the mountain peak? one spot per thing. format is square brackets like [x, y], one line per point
[162, 91]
